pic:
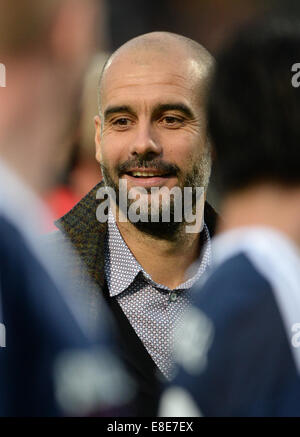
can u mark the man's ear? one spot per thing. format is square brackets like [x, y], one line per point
[97, 121]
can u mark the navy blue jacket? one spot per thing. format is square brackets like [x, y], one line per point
[38, 325]
[250, 370]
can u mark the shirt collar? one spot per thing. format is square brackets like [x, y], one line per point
[120, 274]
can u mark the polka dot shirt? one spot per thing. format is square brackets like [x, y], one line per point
[153, 310]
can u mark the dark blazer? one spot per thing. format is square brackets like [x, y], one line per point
[87, 236]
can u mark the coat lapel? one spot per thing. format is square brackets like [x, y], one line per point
[87, 234]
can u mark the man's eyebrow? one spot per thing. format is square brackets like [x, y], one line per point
[117, 109]
[173, 107]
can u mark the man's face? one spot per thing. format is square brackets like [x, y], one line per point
[154, 128]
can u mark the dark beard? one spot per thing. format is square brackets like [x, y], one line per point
[160, 229]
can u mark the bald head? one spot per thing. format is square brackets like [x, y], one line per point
[163, 42]
[160, 46]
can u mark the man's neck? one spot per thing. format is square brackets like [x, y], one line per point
[165, 261]
[265, 205]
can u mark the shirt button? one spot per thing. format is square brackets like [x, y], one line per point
[173, 296]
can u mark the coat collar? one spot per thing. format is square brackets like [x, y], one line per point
[87, 234]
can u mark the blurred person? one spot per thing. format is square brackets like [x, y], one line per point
[151, 132]
[82, 172]
[239, 352]
[48, 364]
[86, 173]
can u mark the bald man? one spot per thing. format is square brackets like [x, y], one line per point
[150, 135]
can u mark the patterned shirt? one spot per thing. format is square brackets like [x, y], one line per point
[153, 310]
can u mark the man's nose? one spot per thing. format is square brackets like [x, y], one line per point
[145, 142]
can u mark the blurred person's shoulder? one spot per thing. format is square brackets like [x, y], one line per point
[54, 238]
[14, 245]
[254, 282]
[62, 256]
[235, 286]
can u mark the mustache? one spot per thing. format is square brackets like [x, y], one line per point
[159, 165]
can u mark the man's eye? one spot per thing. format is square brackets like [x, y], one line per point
[121, 122]
[170, 120]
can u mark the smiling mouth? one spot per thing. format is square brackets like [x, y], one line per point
[148, 174]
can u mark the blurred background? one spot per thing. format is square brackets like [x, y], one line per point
[210, 22]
